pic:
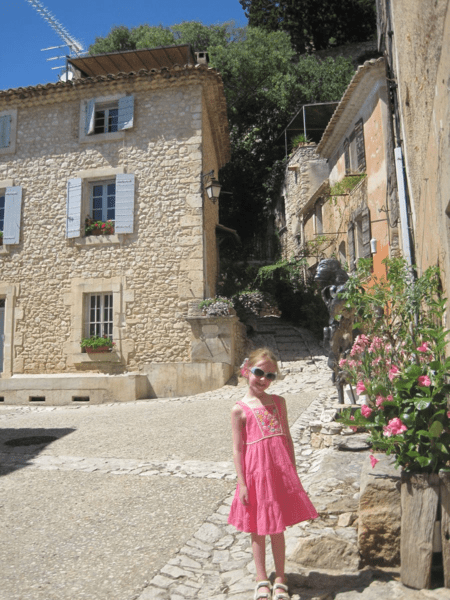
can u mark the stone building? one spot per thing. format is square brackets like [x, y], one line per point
[129, 139]
[340, 195]
[414, 36]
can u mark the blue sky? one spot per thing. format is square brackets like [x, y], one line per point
[25, 33]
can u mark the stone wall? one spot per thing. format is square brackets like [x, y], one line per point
[152, 272]
[304, 174]
[415, 36]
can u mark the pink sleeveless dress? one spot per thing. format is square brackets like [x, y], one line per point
[276, 498]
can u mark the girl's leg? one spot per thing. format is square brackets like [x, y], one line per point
[279, 556]
[259, 556]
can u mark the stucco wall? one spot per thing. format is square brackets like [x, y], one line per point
[154, 271]
[419, 57]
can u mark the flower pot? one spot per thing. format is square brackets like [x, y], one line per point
[421, 494]
[99, 350]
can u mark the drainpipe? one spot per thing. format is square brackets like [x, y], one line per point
[399, 168]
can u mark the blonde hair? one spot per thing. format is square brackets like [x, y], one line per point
[260, 353]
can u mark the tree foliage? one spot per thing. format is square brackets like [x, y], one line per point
[265, 84]
[314, 25]
[201, 37]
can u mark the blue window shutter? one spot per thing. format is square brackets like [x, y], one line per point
[11, 225]
[126, 112]
[5, 130]
[73, 208]
[90, 114]
[124, 204]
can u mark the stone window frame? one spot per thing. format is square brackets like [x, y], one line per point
[359, 225]
[318, 217]
[9, 293]
[98, 137]
[76, 300]
[11, 148]
[89, 177]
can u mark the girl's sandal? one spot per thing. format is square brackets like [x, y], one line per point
[283, 595]
[262, 595]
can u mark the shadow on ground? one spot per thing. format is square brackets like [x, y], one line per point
[315, 584]
[18, 447]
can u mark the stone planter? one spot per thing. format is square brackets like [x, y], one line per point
[424, 498]
[101, 232]
[100, 350]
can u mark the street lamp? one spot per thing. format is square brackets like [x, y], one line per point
[213, 186]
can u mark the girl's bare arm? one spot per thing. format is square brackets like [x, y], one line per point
[237, 425]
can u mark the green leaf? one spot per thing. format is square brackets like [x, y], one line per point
[424, 461]
[441, 447]
[422, 404]
[436, 429]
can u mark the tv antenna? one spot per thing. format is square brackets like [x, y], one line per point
[76, 48]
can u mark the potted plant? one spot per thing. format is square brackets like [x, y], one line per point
[399, 364]
[98, 227]
[97, 344]
[1, 238]
[217, 307]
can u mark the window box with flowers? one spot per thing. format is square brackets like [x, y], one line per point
[98, 227]
[97, 345]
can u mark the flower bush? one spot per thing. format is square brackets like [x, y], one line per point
[106, 227]
[216, 307]
[97, 341]
[399, 364]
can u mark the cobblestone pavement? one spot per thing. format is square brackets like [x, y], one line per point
[130, 502]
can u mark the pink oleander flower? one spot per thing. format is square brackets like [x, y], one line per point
[360, 388]
[424, 381]
[393, 373]
[423, 347]
[352, 427]
[394, 427]
[342, 362]
[376, 344]
[373, 460]
[379, 401]
[388, 348]
[390, 398]
[448, 414]
[352, 364]
[376, 361]
[366, 411]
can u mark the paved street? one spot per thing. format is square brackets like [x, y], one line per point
[130, 501]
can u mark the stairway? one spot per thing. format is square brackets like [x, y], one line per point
[291, 344]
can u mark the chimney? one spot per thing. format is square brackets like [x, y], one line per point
[202, 58]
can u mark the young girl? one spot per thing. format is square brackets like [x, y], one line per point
[269, 496]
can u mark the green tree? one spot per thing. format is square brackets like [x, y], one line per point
[314, 25]
[201, 37]
[265, 84]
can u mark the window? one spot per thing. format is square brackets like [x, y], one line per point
[358, 236]
[8, 127]
[354, 150]
[103, 201]
[106, 117]
[347, 157]
[99, 315]
[319, 218]
[360, 150]
[342, 253]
